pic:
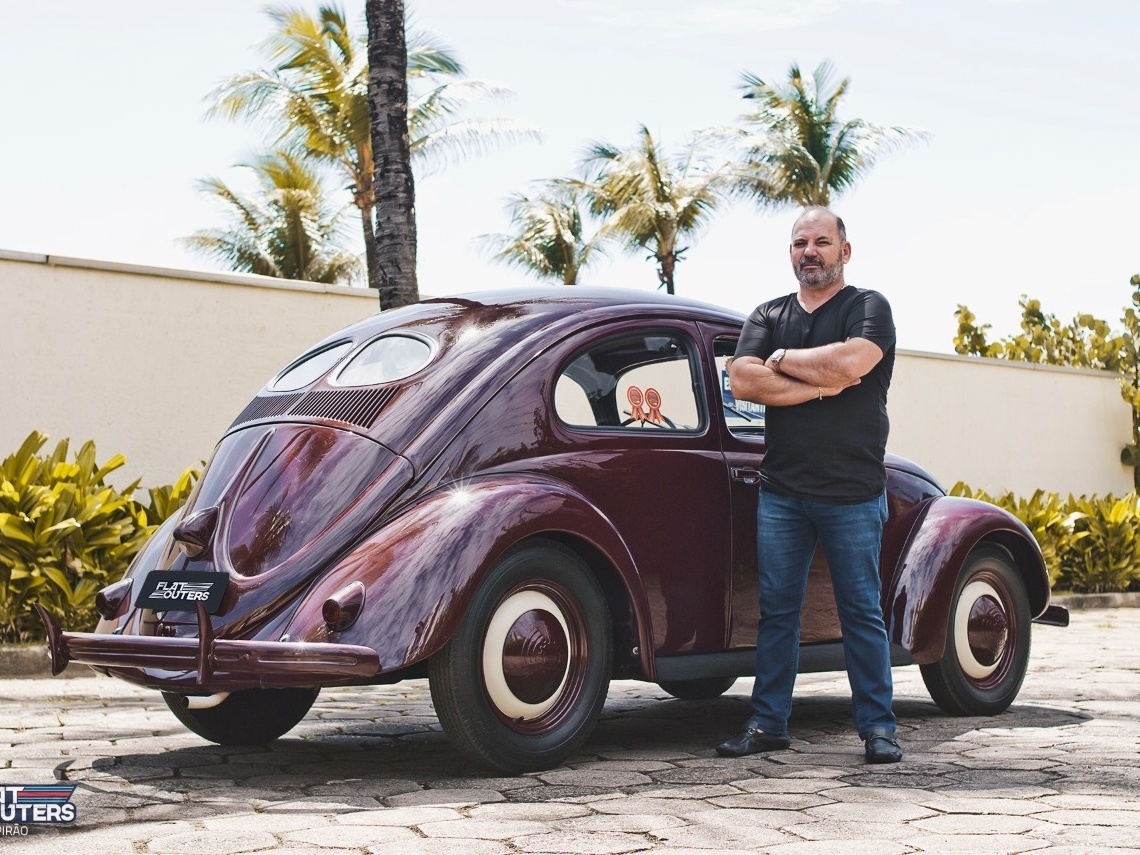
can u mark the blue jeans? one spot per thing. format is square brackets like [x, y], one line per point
[788, 530]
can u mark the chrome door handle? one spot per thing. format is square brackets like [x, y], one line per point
[745, 475]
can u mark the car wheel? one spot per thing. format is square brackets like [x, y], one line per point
[246, 717]
[703, 689]
[521, 683]
[987, 640]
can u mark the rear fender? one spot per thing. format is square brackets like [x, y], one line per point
[917, 607]
[421, 569]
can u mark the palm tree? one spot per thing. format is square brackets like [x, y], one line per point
[795, 150]
[286, 229]
[548, 240]
[392, 268]
[315, 100]
[650, 201]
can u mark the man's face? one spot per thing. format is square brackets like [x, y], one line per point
[818, 255]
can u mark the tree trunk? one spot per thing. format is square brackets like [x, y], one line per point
[371, 255]
[393, 186]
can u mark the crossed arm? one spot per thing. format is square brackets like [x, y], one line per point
[803, 374]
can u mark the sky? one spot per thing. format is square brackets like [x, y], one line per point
[1029, 182]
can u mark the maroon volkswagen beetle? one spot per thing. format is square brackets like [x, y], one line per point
[522, 495]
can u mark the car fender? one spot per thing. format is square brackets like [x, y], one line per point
[421, 568]
[917, 605]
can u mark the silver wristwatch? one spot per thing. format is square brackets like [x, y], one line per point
[776, 357]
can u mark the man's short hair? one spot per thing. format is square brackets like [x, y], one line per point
[838, 219]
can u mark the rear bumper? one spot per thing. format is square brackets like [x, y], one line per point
[207, 663]
[1053, 616]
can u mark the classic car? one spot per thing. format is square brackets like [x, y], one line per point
[521, 496]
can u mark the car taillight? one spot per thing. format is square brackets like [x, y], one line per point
[195, 532]
[342, 609]
[110, 601]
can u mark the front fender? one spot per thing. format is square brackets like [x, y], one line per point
[421, 568]
[918, 603]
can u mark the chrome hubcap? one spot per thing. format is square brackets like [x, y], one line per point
[981, 630]
[526, 655]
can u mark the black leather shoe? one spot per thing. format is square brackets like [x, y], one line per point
[752, 741]
[880, 746]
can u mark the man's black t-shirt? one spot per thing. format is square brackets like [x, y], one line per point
[828, 450]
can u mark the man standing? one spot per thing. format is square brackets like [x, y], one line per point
[820, 360]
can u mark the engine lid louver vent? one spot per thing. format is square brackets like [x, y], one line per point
[266, 407]
[352, 406]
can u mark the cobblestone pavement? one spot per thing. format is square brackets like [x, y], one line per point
[369, 771]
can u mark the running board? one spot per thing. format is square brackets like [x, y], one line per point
[742, 663]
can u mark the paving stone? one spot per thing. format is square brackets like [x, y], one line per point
[981, 805]
[708, 837]
[1008, 844]
[690, 792]
[853, 847]
[402, 816]
[631, 823]
[273, 823]
[211, 843]
[644, 805]
[770, 801]
[537, 811]
[645, 766]
[1087, 835]
[350, 836]
[846, 829]
[695, 775]
[786, 785]
[444, 846]
[319, 804]
[445, 797]
[977, 824]
[484, 829]
[597, 843]
[882, 812]
[598, 778]
[577, 795]
[1081, 801]
[1112, 818]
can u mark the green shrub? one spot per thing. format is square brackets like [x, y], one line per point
[1103, 553]
[65, 533]
[1090, 545]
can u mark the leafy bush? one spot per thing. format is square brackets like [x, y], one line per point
[65, 533]
[1104, 552]
[1090, 545]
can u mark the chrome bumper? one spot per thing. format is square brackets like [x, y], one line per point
[1054, 616]
[211, 663]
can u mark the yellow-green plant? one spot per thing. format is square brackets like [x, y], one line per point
[65, 533]
[1103, 553]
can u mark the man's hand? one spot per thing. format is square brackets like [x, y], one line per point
[832, 365]
[750, 379]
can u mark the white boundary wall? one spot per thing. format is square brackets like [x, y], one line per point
[155, 364]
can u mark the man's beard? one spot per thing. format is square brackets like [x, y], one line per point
[819, 278]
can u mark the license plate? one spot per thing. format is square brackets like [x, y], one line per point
[181, 591]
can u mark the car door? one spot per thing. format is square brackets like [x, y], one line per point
[631, 405]
[740, 426]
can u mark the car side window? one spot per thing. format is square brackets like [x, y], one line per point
[742, 418]
[644, 381]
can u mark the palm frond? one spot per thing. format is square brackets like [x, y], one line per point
[793, 148]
